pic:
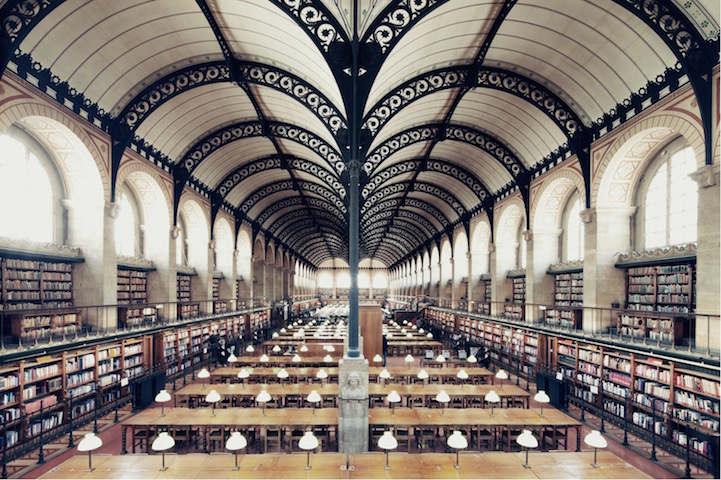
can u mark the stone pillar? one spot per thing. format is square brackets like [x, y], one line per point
[454, 299]
[707, 258]
[502, 259]
[469, 285]
[353, 405]
[607, 232]
[542, 245]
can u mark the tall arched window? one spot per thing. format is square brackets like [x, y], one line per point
[26, 186]
[573, 234]
[522, 250]
[670, 199]
[127, 241]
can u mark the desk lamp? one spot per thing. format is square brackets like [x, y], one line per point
[203, 374]
[321, 375]
[501, 375]
[308, 442]
[328, 359]
[89, 443]
[282, 375]
[409, 360]
[250, 349]
[264, 358]
[162, 443]
[384, 376]
[492, 398]
[304, 348]
[542, 397]
[462, 376]
[313, 398]
[595, 440]
[472, 359]
[440, 358]
[393, 398]
[459, 442]
[387, 442]
[234, 443]
[422, 375]
[212, 398]
[242, 375]
[442, 398]
[162, 397]
[528, 441]
[377, 358]
[263, 398]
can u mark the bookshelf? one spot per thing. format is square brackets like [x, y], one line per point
[186, 310]
[568, 293]
[136, 316]
[515, 309]
[132, 287]
[216, 289]
[28, 284]
[34, 327]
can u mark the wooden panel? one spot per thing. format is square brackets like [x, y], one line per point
[370, 322]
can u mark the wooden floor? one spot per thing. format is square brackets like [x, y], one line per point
[571, 465]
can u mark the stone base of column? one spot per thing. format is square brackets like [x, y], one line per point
[353, 405]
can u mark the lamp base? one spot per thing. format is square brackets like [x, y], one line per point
[235, 469]
[386, 467]
[457, 467]
[595, 465]
[162, 469]
[527, 466]
[90, 469]
[307, 467]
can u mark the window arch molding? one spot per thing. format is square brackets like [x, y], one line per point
[127, 197]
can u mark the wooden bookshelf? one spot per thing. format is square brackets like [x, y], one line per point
[132, 287]
[515, 309]
[186, 310]
[28, 284]
[568, 294]
[34, 327]
[136, 316]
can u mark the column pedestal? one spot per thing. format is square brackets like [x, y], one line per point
[353, 406]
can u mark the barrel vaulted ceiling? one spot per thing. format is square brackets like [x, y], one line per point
[457, 102]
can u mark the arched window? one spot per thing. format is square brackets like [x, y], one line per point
[27, 182]
[573, 234]
[325, 280]
[670, 199]
[127, 238]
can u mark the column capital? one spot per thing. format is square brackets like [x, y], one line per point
[528, 235]
[468, 254]
[111, 209]
[211, 244]
[706, 176]
[587, 215]
[174, 232]
[236, 252]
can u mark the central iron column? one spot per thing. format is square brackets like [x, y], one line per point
[353, 333]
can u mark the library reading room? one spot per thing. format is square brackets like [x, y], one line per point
[458, 239]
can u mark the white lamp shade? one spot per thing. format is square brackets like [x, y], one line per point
[595, 440]
[212, 397]
[276, 335]
[409, 358]
[89, 443]
[330, 348]
[501, 375]
[263, 397]
[492, 397]
[296, 358]
[462, 374]
[162, 396]
[409, 335]
[526, 439]
[322, 374]
[472, 359]
[250, 349]
[393, 397]
[440, 358]
[403, 331]
[387, 441]
[542, 397]
[283, 330]
[457, 440]
[232, 358]
[443, 397]
[203, 373]
[429, 335]
[308, 441]
[377, 358]
[276, 349]
[327, 359]
[283, 373]
[243, 373]
[163, 442]
[422, 375]
[415, 328]
[420, 330]
[390, 335]
[264, 358]
[313, 396]
[304, 348]
[236, 441]
[385, 374]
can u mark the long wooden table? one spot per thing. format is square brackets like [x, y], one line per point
[286, 360]
[293, 395]
[487, 465]
[418, 423]
[307, 374]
